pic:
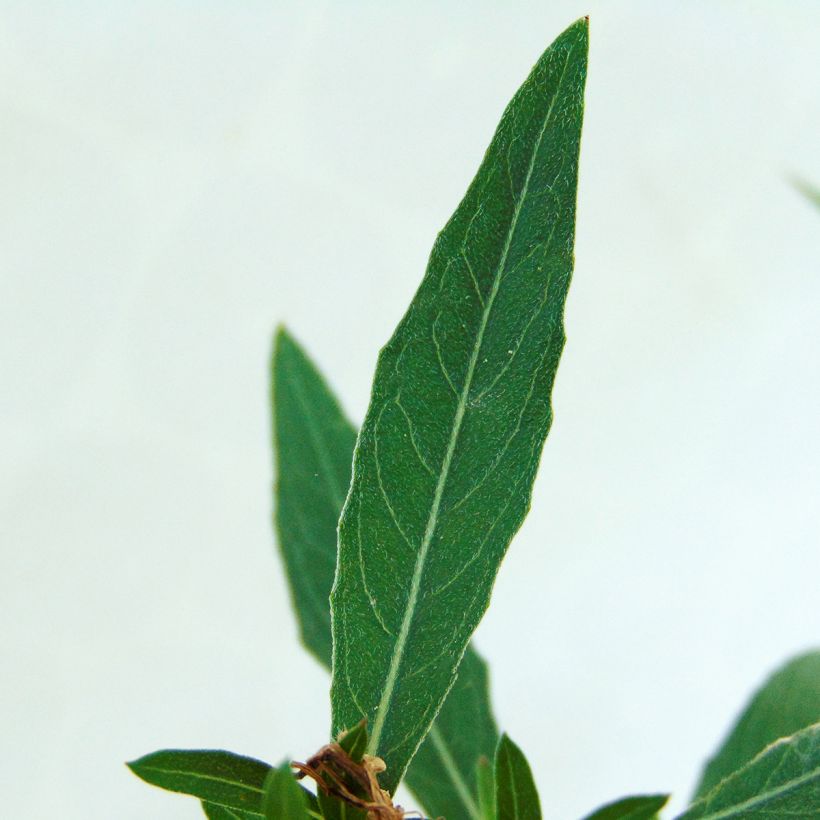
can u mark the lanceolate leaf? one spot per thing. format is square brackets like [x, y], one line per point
[644, 807]
[787, 702]
[217, 777]
[516, 797]
[313, 443]
[283, 796]
[314, 449]
[782, 781]
[460, 408]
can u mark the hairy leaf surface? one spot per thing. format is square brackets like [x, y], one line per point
[787, 702]
[314, 452]
[782, 781]
[460, 408]
[516, 797]
[642, 807]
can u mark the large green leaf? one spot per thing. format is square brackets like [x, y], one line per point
[214, 776]
[787, 702]
[642, 807]
[314, 452]
[783, 781]
[283, 797]
[450, 445]
[516, 797]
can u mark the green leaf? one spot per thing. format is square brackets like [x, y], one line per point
[516, 797]
[313, 443]
[486, 789]
[354, 742]
[214, 812]
[787, 702]
[314, 450]
[283, 796]
[450, 445]
[643, 807]
[782, 781]
[217, 777]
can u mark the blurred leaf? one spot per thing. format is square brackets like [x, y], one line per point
[783, 781]
[214, 776]
[808, 190]
[643, 807]
[460, 408]
[283, 796]
[516, 795]
[486, 789]
[787, 702]
[314, 450]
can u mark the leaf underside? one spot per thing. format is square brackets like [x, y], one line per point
[460, 408]
[787, 702]
[782, 781]
[314, 451]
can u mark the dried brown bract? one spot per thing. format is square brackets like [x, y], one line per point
[337, 774]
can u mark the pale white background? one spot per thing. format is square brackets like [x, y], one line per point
[175, 178]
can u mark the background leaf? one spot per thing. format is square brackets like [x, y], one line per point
[782, 781]
[283, 796]
[811, 192]
[516, 795]
[787, 702]
[314, 452]
[460, 408]
[643, 807]
[217, 777]
[486, 789]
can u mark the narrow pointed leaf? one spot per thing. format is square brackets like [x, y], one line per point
[217, 777]
[782, 781]
[787, 702]
[643, 807]
[313, 439]
[354, 742]
[313, 443]
[460, 408]
[283, 796]
[516, 797]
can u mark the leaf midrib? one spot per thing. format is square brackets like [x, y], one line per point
[432, 521]
[201, 776]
